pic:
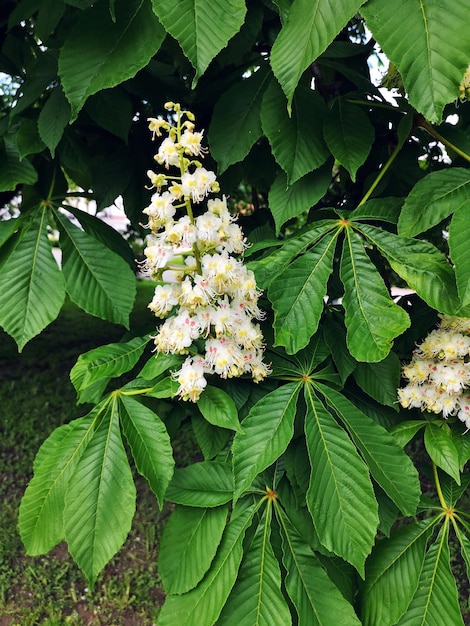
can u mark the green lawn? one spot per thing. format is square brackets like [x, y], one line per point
[36, 396]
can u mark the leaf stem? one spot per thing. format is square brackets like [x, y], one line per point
[381, 174]
[422, 123]
[135, 392]
[438, 487]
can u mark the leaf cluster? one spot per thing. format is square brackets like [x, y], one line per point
[306, 508]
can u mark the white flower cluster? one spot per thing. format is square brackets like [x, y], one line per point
[439, 373]
[206, 294]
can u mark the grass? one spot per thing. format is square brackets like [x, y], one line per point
[36, 396]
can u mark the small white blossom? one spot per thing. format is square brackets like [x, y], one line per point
[207, 295]
[439, 374]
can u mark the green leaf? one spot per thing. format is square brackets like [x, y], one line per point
[53, 118]
[297, 295]
[101, 231]
[464, 547]
[265, 269]
[13, 170]
[381, 209]
[388, 464]
[27, 138]
[420, 264]
[100, 500]
[99, 53]
[97, 279]
[235, 124]
[189, 542]
[380, 380]
[287, 202]
[335, 336]
[210, 439]
[404, 432]
[392, 574]
[268, 428]
[219, 409]
[316, 599]
[31, 285]
[150, 444]
[340, 497]
[431, 52]
[348, 134]
[205, 484]
[160, 363]
[436, 598]
[440, 447]
[432, 199]
[256, 597]
[203, 604]
[372, 319]
[201, 28]
[111, 109]
[8, 228]
[109, 361]
[297, 141]
[42, 506]
[310, 28]
[459, 235]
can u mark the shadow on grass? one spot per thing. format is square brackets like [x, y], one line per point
[36, 396]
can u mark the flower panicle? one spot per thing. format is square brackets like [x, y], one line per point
[204, 292]
[439, 373]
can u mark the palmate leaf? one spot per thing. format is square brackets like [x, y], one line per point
[189, 542]
[42, 506]
[204, 484]
[464, 545]
[267, 268]
[203, 604]
[201, 28]
[459, 236]
[420, 264]
[372, 319]
[348, 134]
[404, 432]
[105, 233]
[289, 201]
[436, 599]
[101, 53]
[13, 170]
[32, 287]
[268, 428]
[111, 109]
[388, 464]
[149, 442]
[380, 380]
[97, 279]
[109, 361]
[434, 198]
[340, 497]
[53, 118]
[310, 27]
[297, 295]
[335, 337]
[440, 447]
[392, 574]
[256, 597]
[100, 500]
[430, 48]
[316, 599]
[296, 141]
[236, 124]
[219, 409]
[210, 439]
